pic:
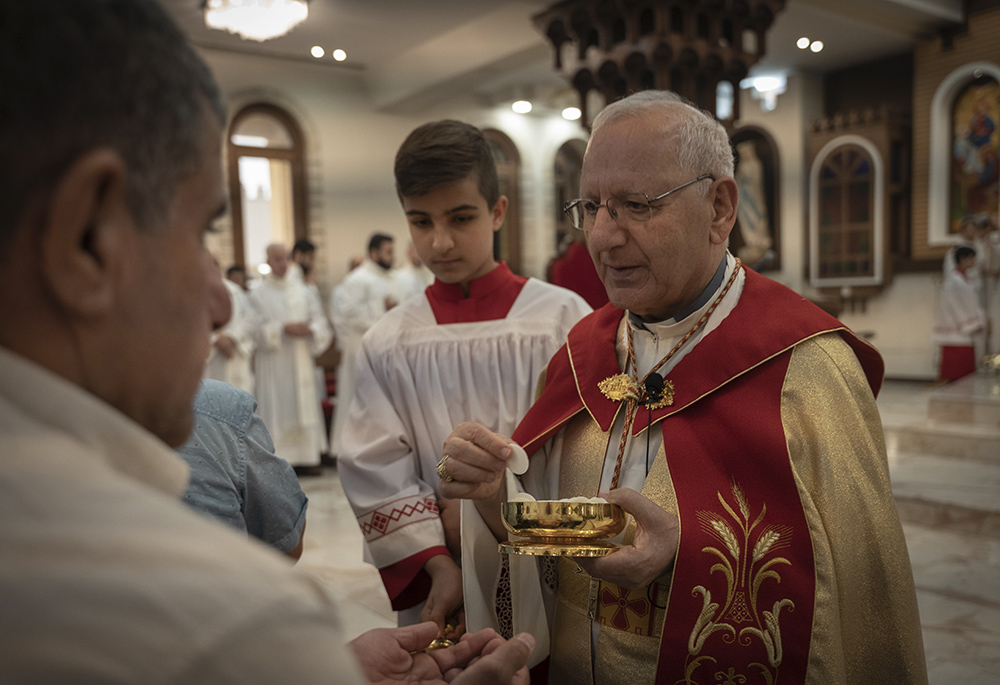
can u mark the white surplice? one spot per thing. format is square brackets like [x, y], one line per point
[287, 395]
[960, 320]
[242, 328]
[418, 380]
[356, 304]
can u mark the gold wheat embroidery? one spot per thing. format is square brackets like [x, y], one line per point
[746, 558]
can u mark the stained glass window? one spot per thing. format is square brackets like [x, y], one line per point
[975, 153]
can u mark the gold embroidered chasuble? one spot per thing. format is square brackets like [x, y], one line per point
[791, 567]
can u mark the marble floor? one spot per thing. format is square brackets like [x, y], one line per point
[944, 456]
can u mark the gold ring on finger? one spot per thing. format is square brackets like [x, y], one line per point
[442, 471]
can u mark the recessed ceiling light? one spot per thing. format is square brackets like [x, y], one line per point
[802, 43]
[816, 45]
[521, 106]
[339, 55]
[571, 113]
[317, 51]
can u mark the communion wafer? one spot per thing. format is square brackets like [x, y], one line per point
[518, 462]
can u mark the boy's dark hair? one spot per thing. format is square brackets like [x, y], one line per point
[963, 252]
[376, 241]
[445, 152]
[75, 76]
[235, 269]
[303, 245]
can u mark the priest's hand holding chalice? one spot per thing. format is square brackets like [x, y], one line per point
[474, 467]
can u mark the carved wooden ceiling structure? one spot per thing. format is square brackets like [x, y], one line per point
[688, 46]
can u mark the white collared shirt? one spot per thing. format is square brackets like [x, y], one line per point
[106, 577]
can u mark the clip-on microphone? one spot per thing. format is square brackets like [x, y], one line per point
[654, 388]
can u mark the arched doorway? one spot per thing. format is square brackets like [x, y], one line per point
[507, 241]
[267, 182]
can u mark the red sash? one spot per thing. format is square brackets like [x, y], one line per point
[742, 589]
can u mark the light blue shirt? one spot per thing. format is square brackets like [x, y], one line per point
[235, 475]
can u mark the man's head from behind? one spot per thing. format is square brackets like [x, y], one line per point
[304, 254]
[446, 179]
[238, 275]
[656, 256]
[110, 131]
[382, 250]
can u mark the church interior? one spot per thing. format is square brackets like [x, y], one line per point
[854, 123]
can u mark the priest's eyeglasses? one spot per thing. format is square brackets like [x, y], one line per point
[624, 209]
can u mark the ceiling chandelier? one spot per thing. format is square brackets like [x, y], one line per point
[255, 19]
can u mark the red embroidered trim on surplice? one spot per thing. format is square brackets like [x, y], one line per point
[391, 517]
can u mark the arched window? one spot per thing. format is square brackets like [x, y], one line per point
[846, 214]
[267, 183]
[568, 164]
[507, 241]
[975, 151]
[951, 118]
[725, 97]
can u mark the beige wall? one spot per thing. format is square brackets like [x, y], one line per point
[351, 146]
[898, 321]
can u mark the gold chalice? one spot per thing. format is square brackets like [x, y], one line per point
[562, 528]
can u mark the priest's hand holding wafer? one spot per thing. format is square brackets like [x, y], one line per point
[652, 551]
[473, 463]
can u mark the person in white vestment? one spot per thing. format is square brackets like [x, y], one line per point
[111, 130]
[960, 325]
[230, 358]
[413, 277]
[468, 348]
[238, 275]
[304, 257]
[304, 254]
[293, 332]
[981, 235]
[361, 299]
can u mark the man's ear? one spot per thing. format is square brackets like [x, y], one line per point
[85, 233]
[499, 212]
[724, 210]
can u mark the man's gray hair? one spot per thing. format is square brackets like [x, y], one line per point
[702, 143]
[75, 76]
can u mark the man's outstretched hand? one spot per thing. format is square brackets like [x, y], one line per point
[392, 655]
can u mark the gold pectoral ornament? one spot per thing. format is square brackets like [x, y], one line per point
[623, 388]
[629, 389]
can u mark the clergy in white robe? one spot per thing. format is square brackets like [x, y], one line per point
[361, 299]
[231, 356]
[293, 332]
[413, 277]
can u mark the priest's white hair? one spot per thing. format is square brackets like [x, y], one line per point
[702, 143]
